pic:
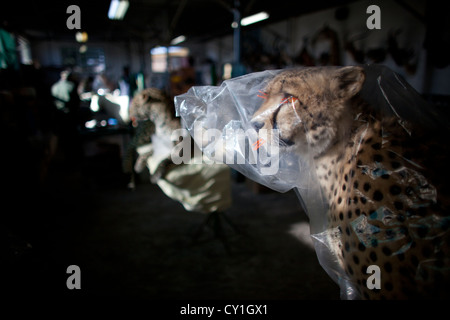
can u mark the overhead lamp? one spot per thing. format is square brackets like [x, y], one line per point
[117, 9]
[81, 36]
[83, 48]
[254, 18]
[178, 40]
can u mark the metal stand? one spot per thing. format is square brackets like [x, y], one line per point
[216, 221]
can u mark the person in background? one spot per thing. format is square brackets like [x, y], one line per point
[127, 83]
[67, 103]
[64, 93]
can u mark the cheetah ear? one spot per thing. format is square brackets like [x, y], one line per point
[145, 97]
[348, 81]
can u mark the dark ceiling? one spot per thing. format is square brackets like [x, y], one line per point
[146, 20]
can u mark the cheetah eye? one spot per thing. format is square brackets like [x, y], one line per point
[289, 98]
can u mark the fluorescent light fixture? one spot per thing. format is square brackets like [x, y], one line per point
[173, 51]
[178, 40]
[113, 9]
[254, 18]
[158, 50]
[117, 9]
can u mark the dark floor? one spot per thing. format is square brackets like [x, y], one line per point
[138, 244]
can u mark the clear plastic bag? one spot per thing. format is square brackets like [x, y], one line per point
[353, 143]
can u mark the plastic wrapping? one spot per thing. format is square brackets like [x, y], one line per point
[366, 156]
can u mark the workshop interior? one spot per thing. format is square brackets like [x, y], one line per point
[225, 149]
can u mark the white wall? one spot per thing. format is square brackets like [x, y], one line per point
[394, 18]
[290, 33]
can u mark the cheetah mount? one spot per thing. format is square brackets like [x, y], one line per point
[366, 155]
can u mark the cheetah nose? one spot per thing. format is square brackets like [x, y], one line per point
[257, 125]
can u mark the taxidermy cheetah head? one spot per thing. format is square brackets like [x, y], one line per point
[148, 103]
[310, 106]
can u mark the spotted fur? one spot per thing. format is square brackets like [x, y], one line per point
[152, 104]
[387, 196]
[154, 110]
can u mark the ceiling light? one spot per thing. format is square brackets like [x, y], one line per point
[81, 36]
[83, 48]
[254, 18]
[117, 9]
[178, 40]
